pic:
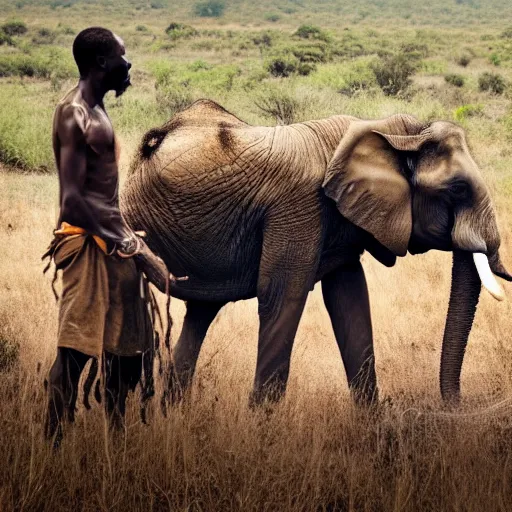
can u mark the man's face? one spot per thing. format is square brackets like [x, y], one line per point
[117, 69]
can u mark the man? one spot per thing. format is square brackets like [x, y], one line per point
[102, 308]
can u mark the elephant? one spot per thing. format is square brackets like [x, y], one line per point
[253, 211]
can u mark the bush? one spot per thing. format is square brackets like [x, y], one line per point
[173, 98]
[44, 36]
[462, 113]
[454, 79]
[463, 60]
[279, 105]
[492, 82]
[416, 50]
[311, 32]
[5, 39]
[180, 31]
[305, 68]
[310, 53]
[282, 65]
[264, 39]
[141, 28]
[495, 59]
[272, 17]
[357, 78]
[210, 8]
[393, 73]
[53, 63]
[14, 28]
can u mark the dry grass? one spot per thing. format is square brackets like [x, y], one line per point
[315, 452]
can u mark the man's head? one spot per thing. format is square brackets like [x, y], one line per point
[99, 50]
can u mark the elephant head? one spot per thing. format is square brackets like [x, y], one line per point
[415, 187]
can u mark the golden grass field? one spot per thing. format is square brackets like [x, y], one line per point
[316, 451]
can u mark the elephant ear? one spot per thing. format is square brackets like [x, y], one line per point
[367, 182]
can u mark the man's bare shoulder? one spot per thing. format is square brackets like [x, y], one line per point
[72, 115]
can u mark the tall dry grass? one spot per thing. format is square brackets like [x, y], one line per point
[315, 452]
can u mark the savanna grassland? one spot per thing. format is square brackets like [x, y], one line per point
[281, 61]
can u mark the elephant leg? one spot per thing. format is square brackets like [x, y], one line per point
[63, 390]
[346, 298]
[287, 269]
[275, 343]
[198, 319]
[121, 375]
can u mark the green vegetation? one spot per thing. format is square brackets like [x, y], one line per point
[463, 60]
[321, 61]
[311, 32]
[492, 82]
[180, 31]
[210, 8]
[14, 28]
[24, 137]
[462, 113]
[393, 73]
[455, 79]
[272, 17]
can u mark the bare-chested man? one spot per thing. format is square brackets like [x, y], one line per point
[102, 310]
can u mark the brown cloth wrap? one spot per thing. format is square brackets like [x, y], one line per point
[101, 307]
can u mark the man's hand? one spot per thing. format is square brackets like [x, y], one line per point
[129, 247]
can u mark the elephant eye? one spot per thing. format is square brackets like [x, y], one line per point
[459, 189]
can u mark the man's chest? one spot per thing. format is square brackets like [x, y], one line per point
[100, 137]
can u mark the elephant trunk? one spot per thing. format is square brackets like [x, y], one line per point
[464, 295]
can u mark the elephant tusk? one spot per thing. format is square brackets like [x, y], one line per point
[487, 277]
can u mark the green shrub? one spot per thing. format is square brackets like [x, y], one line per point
[279, 105]
[393, 73]
[141, 28]
[305, 68]
[172, 98]
[462, 113]
[463, 59]
[263, 39]
[180, 31]
[158, 4]
[282, 65]
[210, 8]
[272, 17]
[495, 59]
[310, 53]
[415, 50]
[14, 28]
[359, 77]
[311, 32]
[454, 79]
[44, 36]
[5, 39]
[54, 62]
[492, 82]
